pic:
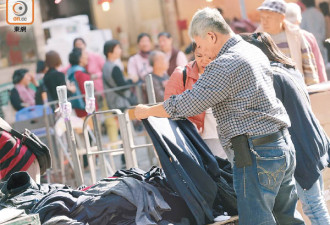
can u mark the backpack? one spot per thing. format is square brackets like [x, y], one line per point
[37, 147]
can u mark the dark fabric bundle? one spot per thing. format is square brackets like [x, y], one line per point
[156, 177]
[191, 169]
[22, 192]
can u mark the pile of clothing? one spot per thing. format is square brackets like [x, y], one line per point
[130, 197]
[192, 187]
[204, 182]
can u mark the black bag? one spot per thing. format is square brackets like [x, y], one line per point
[39, 149]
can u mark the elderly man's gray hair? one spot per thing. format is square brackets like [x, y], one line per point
[153, 55]
[208, 20]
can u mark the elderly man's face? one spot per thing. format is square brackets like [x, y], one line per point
[161, 62]
[271, 21]
[207, 46]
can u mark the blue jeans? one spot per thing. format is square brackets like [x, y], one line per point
[313, 203]
[266, 192]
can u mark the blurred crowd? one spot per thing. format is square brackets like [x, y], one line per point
[293, 36]
[299, 30]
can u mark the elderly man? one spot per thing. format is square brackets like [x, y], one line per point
[293, 15]
[288, 38]
[251, 121]
[159, 63]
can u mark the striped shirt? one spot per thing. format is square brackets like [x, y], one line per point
[238, 85]
[14, 156]
[307, 57]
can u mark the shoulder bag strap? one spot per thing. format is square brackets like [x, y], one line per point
[184, 72]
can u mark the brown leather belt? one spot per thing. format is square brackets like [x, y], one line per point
[269, 138]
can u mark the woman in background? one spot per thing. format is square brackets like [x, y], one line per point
[309, 139]
[183, 79]
[54, 78]
[21, 95]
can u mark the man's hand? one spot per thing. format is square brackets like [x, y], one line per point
[141, 112]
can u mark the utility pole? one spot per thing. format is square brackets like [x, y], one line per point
[243, 9]
[170, 17]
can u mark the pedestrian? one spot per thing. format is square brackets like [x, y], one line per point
[313, 21]
[309, 139]
[251, 121]
[77, 75]
[288, 38]
[324, 7]
[113, 77]
[293, 15]
[158, 61]
[54, 78]
[138, 65]
[184, 78]
[22, 95]
[174, 56]
[94, 65]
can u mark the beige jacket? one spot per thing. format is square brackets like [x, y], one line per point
[300, 52]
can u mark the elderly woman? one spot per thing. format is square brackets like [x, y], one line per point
[183, 78]
[21, 95]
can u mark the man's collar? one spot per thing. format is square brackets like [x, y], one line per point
[231, 42]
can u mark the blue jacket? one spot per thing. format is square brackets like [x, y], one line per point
[308, 137]
[191, 169]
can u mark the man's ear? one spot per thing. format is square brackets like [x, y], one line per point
[212, 37]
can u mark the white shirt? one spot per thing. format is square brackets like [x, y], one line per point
[138, 67]
[210, 126]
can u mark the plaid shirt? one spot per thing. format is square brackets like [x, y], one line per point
[238, 85]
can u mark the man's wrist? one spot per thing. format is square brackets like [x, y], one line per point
[148, 112]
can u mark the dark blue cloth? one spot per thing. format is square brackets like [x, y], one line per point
[106, 202]
[22, 192]
[189, 165]
[308, 137]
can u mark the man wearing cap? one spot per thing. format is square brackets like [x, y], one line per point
[288, 38]
[293, 15]
[251, 121]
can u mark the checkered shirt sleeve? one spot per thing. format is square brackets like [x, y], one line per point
[238, 85]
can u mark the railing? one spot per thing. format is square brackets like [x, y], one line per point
[125, 129]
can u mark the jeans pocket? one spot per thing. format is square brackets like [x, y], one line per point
[271, 170]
